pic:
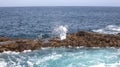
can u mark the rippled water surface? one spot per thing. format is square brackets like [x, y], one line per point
[63, 57]
[32, 22]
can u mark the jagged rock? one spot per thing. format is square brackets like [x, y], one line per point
[81, 38]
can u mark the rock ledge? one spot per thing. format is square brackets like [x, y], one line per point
[77, 39]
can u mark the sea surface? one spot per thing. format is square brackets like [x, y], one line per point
[37, 22]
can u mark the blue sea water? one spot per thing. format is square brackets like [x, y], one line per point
[31, 22]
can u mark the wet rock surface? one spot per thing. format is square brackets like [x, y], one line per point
[77, 39]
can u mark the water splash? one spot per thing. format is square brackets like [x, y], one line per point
[61, 31]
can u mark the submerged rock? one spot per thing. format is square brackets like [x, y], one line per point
[81, 38]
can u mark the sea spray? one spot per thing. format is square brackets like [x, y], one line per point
[61, 32]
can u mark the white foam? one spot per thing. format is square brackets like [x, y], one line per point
[99, 65]
[113, 27]
[69, 46]
[79, 47]
[110, 29]
[114, 64]
[2, 63]
[25, 51]
[70, 65]
[11, 52]
[53, 56]
[61, 31]
[44, 48]
[30, 64]
[76, 65]
[107, 65]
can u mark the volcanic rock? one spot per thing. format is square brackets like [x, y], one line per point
[77, 39]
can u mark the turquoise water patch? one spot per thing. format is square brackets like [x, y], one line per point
[62, 57]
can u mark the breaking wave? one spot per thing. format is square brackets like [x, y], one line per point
[110, 29]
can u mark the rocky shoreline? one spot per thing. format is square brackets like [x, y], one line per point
[77, 39]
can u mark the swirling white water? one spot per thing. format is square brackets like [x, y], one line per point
[63, 57]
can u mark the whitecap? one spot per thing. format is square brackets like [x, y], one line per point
[110, 29]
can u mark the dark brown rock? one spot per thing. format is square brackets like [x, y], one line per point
[118, 34]
[81, 38]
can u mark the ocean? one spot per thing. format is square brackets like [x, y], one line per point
[32, 22]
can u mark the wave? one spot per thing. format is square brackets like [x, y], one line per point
[110, 29]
